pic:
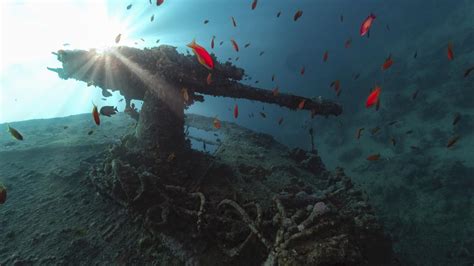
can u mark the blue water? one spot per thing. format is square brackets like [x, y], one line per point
[398, 185]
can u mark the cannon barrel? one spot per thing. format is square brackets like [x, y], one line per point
[133, 71]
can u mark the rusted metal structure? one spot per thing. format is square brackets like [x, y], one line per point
[214, 211]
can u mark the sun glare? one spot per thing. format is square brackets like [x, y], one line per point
[101, 30]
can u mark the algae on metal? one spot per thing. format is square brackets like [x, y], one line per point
[230, 207]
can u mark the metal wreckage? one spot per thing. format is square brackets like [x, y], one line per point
[207, 209]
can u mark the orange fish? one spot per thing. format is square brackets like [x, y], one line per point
[301, 104]
[452, 141]
[302, 71]
[254, 4]
[209, 79]
[393, 141]
[297, 15]
[236, 111]
[14, 133]
[159, 2]
[325, 56]
[375, 130]
[450, 52]
[336, 84]
[185, 94]
[276, 91]
[359, 132]
[280, 120]
[388, 63]
[233, 22]
[348, 43]
[171, 157]
[95, 115]
[217, 123]
[212, 42]
[202, 55]
[236, 46]
[373, 157]
[117, 39]
[373, 97]
[365, 27]
[469, 70]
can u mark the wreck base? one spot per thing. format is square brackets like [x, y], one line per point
[213, 209]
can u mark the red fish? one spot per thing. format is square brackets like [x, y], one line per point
[209, 79]
[325, 56]
[212, 42]
[236, 46]
[301, 104]
[3, 194]
[95, 115]
[452, 141]
[365, 27]
[236, 111]
[302, 71]
[217, 123]
[202, 55]
[373, 157]
[348, 43]
[297, 15]
[373, 97]
[276, 91]
[233, 22]
[336, 84]
[254, 4]
[450, 52]
[159, 2]
[388, 63]
[469, 70]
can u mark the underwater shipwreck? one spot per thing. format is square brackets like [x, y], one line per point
[253, 201]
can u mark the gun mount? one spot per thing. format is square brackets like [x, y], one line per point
[157, 76]
[214, 210]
